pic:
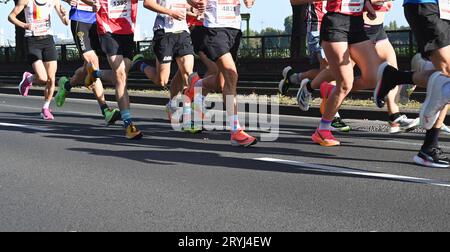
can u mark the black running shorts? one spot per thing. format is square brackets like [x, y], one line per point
[41, 48]
[85, 36]
[376, 33]
[431, 32]
[170, 46]
[219, 41]
[117, 44]
[337, 27]
[197, 35]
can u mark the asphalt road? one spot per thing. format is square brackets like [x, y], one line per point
[74, 174]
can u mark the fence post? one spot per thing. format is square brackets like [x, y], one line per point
[7, 56]
[411, 44]
[263, 47]
[63, 53]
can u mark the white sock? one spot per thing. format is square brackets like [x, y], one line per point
[31, 78]
[234, 123]
[427, 66]
[46, 105]
[337, 115]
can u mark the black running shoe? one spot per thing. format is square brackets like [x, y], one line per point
[434, 158]
[286, 83]
[339, 125]
[385, 83]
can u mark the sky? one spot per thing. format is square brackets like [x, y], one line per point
[265, 13]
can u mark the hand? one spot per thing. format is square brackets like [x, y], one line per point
[63, 11]
[178, 15]
[73, 3]
[29, 27]
[371, 13]
[249, 3]
[200, 5]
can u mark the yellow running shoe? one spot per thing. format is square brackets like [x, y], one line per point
[133, 133]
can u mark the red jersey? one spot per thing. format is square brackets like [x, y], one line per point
[117, 16]
[346, 7]
[193, 21]
[386, 7]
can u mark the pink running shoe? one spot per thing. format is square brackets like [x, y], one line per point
[25, 84]
[46, 114]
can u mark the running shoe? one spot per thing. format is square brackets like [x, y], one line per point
[325, 91]
[434, 158]
[25, 84]
[339, 125]
[403, 124]
[136, 61]
[190, 91]
[417, 63]
[60, 97]
[133, 133]
[304, 96]
[325, 138]
[285, 83]
[90, 80]
[172, 113]
[242, 139]
[445, 129]
[435, 100]
[192, 128]
[47, 115]
[404, 94]
[112, 116]
[384, 83]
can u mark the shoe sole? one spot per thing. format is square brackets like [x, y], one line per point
[236, 144]
[21, 84]
[427, 103]
[46, 119]
[342, 130]
[320, 142]
[418, 160]
[380, 72]
[281, 85]
[137, 137]
[302, 107]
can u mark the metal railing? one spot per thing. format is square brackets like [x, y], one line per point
[254, 47]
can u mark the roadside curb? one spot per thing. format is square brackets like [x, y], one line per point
[346, 113]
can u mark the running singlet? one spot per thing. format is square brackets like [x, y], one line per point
[166, 22]
[83, 13]
[444, 9]
[117, 16]
[347, 7]
[316, 11]
[223, 14]
[385, 7]
[37, 13]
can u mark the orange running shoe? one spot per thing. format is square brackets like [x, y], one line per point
[325, 138]
[325, 91]
[190, 91]
[240, 138]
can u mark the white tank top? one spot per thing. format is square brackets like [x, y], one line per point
[223, 14]
[37, 13]
[167, 23]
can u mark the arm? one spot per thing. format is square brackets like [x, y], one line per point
[16, 11]
[200, 5]
[302, 2]
[62, 13]
[155, 7]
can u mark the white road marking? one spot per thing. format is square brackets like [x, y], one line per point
[337, 170]
[24, 127]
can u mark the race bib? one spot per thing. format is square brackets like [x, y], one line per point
[41, 27]
[119, 9]
[84, 7]
[352, 6]
[228, 11]
[444, 9]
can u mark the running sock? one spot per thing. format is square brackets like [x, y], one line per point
[46, 105]
[31, 78]
[234, 123]
[67, 86]
[399, 77]
[325, 124]
[142, 66]
[309, 87]
[394, 117]
[431, 139]
[337, 115]
[97, 74]
[104, 107]
[126, 117]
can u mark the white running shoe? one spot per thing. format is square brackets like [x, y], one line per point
[445, 129]
[435, 100]
[403, 124]
[285, 83]
[304, 96]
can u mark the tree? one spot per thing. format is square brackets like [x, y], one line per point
[288, 25]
